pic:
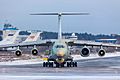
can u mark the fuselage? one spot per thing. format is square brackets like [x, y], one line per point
[59, 52]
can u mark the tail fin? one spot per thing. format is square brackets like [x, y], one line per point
[33, 37]
[10, 39]
[59, 19]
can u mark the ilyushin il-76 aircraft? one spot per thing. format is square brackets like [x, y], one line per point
[60, 53]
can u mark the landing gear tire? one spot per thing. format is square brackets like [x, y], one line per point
[47, 64]
[62, 65]
[74, 64]
[50, 64]
[71, 64]
[44, 64]
[68, 64]
[57, 65]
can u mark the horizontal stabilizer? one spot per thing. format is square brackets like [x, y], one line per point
[64, 13]
[59, 18]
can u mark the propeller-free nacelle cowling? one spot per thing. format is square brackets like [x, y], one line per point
[85, 52]
[101, 52]
[18, 52]
[34, 51]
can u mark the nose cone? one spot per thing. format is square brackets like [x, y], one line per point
[60, 53]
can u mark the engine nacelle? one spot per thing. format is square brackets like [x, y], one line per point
[18, 52]
[101, 52]
[85, 52]
[34, 51]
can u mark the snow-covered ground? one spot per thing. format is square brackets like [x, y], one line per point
[75, 57]
[60, 77]
[23, 62]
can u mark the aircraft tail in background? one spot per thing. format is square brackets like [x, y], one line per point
[33, 37]
[10, 39]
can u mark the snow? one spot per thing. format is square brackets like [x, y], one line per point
[75, 57]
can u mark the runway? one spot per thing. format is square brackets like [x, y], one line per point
[100, 69]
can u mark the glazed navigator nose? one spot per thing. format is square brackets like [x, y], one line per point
[60, 53]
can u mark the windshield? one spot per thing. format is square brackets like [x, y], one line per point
[59, 46]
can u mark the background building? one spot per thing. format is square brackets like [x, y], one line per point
[106, 40]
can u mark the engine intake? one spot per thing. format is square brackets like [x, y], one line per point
[85, 52]
[18, 52]
[101, 52]
[34, 51]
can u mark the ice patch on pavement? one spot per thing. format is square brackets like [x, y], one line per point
[60, 77]
[22, 62]
[75, 57]
[115, 67]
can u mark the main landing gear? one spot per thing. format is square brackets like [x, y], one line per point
[51, 64]
[71, 64]
[47, 64]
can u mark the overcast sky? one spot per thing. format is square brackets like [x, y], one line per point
[104, 15]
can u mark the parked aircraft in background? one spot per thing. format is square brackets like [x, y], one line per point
[34, 36]
[60, 53]
[10, 38]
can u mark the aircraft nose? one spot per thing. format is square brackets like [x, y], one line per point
[60, 53]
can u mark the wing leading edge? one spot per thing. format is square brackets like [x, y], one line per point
[50, 42]
[92, 43]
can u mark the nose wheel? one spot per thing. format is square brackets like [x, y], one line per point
[60, 65]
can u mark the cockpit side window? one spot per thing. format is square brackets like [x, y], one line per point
[60, 46]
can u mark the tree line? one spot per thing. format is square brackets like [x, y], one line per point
[81, 36]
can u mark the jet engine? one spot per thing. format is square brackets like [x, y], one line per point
[85, 52]
[34, 51]
[101, 52]
[18, 52]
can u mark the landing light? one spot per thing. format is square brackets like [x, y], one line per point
[60, 60]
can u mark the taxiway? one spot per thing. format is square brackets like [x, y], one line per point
[107, 68]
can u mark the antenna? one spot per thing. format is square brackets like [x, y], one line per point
[59, 19]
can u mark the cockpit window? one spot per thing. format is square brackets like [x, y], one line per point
[60, 46]
[10, 34]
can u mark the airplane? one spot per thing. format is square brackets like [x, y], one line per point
[34, 36]
[59, 53]
[11, 38]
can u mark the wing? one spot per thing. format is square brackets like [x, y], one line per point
[91, 43]
[27, 44]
